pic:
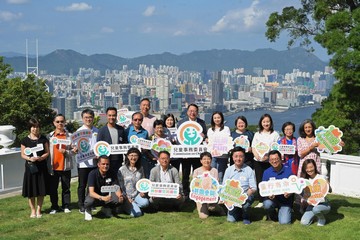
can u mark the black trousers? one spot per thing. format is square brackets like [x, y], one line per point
[65, 177]
[259, 168]
[83, 174]
[92, 202]
[186, 164]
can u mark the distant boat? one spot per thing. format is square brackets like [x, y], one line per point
[278, 108]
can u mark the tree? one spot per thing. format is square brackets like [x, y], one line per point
[335, 25]
[22, 99]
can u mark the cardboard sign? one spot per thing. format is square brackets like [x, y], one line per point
[292, 184]
[284, 148]
[315, 191]
[329, 139]
[28, 151]
[122, 148]
[219, 144]
[82, 140]
[144, 143]
[110, 189]
[59, 141]
[160, 144]
[102, 148]
[158, 189]
[203, 189]
[232, 194]
[122, 118]
[181, 151]
[262, 148]
[189, 133]
[243, 142]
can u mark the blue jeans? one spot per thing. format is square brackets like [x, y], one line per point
[134, 208]
[235, 214]
[220, 164]
[311, 211]
[284, 214]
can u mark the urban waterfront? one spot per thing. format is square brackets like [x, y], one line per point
[295, 115]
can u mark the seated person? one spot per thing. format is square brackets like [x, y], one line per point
[283, 202]
[98, 178]
[166, 173]
[128, 176]
[243, 173]
[309, 171]
[204, 208]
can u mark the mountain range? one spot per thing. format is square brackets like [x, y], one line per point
[62, 61]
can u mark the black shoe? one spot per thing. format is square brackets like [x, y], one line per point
[82, 210]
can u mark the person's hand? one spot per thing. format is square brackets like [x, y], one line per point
[75, 149]
[287, 195]
[106, 198]
[249, 192]
[272, 197]
[121, 198]
[314, 145]
[179, 196]
[62, 150]
[142, 195]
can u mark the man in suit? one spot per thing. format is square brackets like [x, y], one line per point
[192, 115]
[113, 134]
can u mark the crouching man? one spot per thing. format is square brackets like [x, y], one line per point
[165, 173]
[103, 189]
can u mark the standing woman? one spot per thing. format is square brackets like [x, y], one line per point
[61, 165]
[170, 122]
[241, 125]
[128, 175]
[290, 160]
[307, 147]
[35, 168]
[267, 135]
[217, 125]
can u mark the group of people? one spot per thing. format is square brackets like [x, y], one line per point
[245, 165]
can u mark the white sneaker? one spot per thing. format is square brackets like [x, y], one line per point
[88, 216]
[321, 221]
[66, 210]
[53, 211]
[259, 205]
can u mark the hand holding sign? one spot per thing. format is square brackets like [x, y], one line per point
[60, 142]
[28, 151]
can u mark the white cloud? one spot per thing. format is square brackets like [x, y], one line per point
[107, 30]
[179, 33]
[17, 1]
[147, 30]
[149, 11]
[9, 16]
[240, 19]
[28, 28]
[75, 7]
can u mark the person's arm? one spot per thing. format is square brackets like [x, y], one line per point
[94, 195]
[303, 149]
[24, 156]
[252, 184]
[46, 153]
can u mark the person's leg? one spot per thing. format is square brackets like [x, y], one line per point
[65, 185]
[307, 217]
[202, 210]
[142, 202]
[146, 167]
[82, 181]
[175, 162]
[246, 209]
[234, 215]
[285, 214]
[54, 184]
[269, 207]
[186, 167]
[32, 207]
[319, 211]
[222, 165]
[88, 204]
[40, 201]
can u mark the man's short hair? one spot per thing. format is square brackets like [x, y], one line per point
[194, 105]
[165, 152]
[87, 111]
[272, 152]
[111, 109]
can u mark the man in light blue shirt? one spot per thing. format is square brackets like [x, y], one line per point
[243, 173]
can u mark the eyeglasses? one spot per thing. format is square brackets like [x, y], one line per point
[137, 119]
[59, 121]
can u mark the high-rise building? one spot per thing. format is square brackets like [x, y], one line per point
[217, 98]
[162, 90]
[70, 107]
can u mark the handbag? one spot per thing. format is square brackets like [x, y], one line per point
[33, 168]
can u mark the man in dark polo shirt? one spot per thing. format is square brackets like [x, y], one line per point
[98, 178]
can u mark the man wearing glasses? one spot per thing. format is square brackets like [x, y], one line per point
[113, 134]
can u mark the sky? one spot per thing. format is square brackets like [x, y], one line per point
[136, 28]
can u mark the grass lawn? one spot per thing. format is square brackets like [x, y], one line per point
[343, 222]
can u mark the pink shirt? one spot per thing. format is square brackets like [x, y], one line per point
[148, 124]
[200, 171]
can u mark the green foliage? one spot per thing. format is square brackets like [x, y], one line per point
[335, 25]
[22, 99]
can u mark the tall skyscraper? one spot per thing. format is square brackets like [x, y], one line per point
[162, 90]
[217, 96]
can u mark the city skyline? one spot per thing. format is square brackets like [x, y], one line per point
[131, 29]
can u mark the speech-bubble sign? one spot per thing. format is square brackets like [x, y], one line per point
[60, 142]
[160, 144]
[203, 189]
[232, 194]
[262, 148]
[189, 133]
[102, 148]
[219, 144]
[28, 151]
[110, 189]
[158, 189]
[122, 119]
[292, 184]
[122, 148]
[283, 148]
[329, 139]
[184, 151]
[242, 141]
[316, 191]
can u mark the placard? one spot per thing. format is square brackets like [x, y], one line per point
[203, 189]
[232, 194]
[316, 190]
[284, 148]
[82, 139]
[110, 189]
[292, 184]
[262, 148]
[329, 139]
[122, 119]
[56, 141]
[242, 141]
[28, 151]
[219, 144]
[122, 148]
[182, 151]
[158, 189]
[189, 133]
[144, 143]
[102, 148]
[160, 144]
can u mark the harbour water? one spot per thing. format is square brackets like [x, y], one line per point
[295, 115]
